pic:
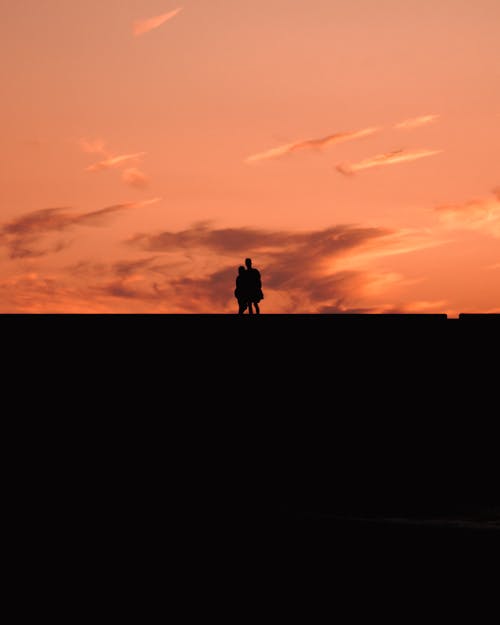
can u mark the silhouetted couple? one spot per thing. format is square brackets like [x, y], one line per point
[248, 288]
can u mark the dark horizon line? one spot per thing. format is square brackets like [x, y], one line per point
[380, 316]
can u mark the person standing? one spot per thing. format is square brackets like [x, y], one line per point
[241, 292]
[254, 281]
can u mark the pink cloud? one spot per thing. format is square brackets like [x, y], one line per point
[480, 214]
[141, 27]
[93, 146]
[389, 158]
[416, 122]
[135, 178]
[115, 161]
[24, 235]
[132, 176]
[309, 144]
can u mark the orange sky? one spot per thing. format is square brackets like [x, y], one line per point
[351, 147]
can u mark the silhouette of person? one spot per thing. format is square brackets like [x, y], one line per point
[255, 294]
[242, 292]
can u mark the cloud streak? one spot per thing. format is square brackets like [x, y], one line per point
[141, 27]
[131, 176]
[480, 214]
[134, 177]
[310, 144]
[388, 158]
[22, 236]
[416, 122]
[115, 161]
[93, 146]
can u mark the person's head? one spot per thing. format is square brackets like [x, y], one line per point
[248, 263]
[241, 270]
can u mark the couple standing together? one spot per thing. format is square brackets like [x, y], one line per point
[248, 290]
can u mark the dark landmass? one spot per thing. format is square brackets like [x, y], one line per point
[379, 424]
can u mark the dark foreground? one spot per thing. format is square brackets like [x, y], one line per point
[337, 426]
[269, 467]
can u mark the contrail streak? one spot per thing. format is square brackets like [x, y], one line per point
[289, 148]
[389, 158]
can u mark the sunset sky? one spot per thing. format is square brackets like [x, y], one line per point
[350, 147]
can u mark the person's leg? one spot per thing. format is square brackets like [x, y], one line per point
[257, 309]
[250, 309]
[242, 308]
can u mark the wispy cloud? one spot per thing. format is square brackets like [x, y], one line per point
[95, 218]
[135, 178]
[22, 236]
[57, 292]
[141, 27]
[115, 161]
[414, 307]
[416, 122]
[299, 266]
[309, 271]
[131, 176]
[419, 306]
[310, 144]
[317, 144]
[388, 158]
[479, 214]
[93, 146]
[193, 270]
[397, 243]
